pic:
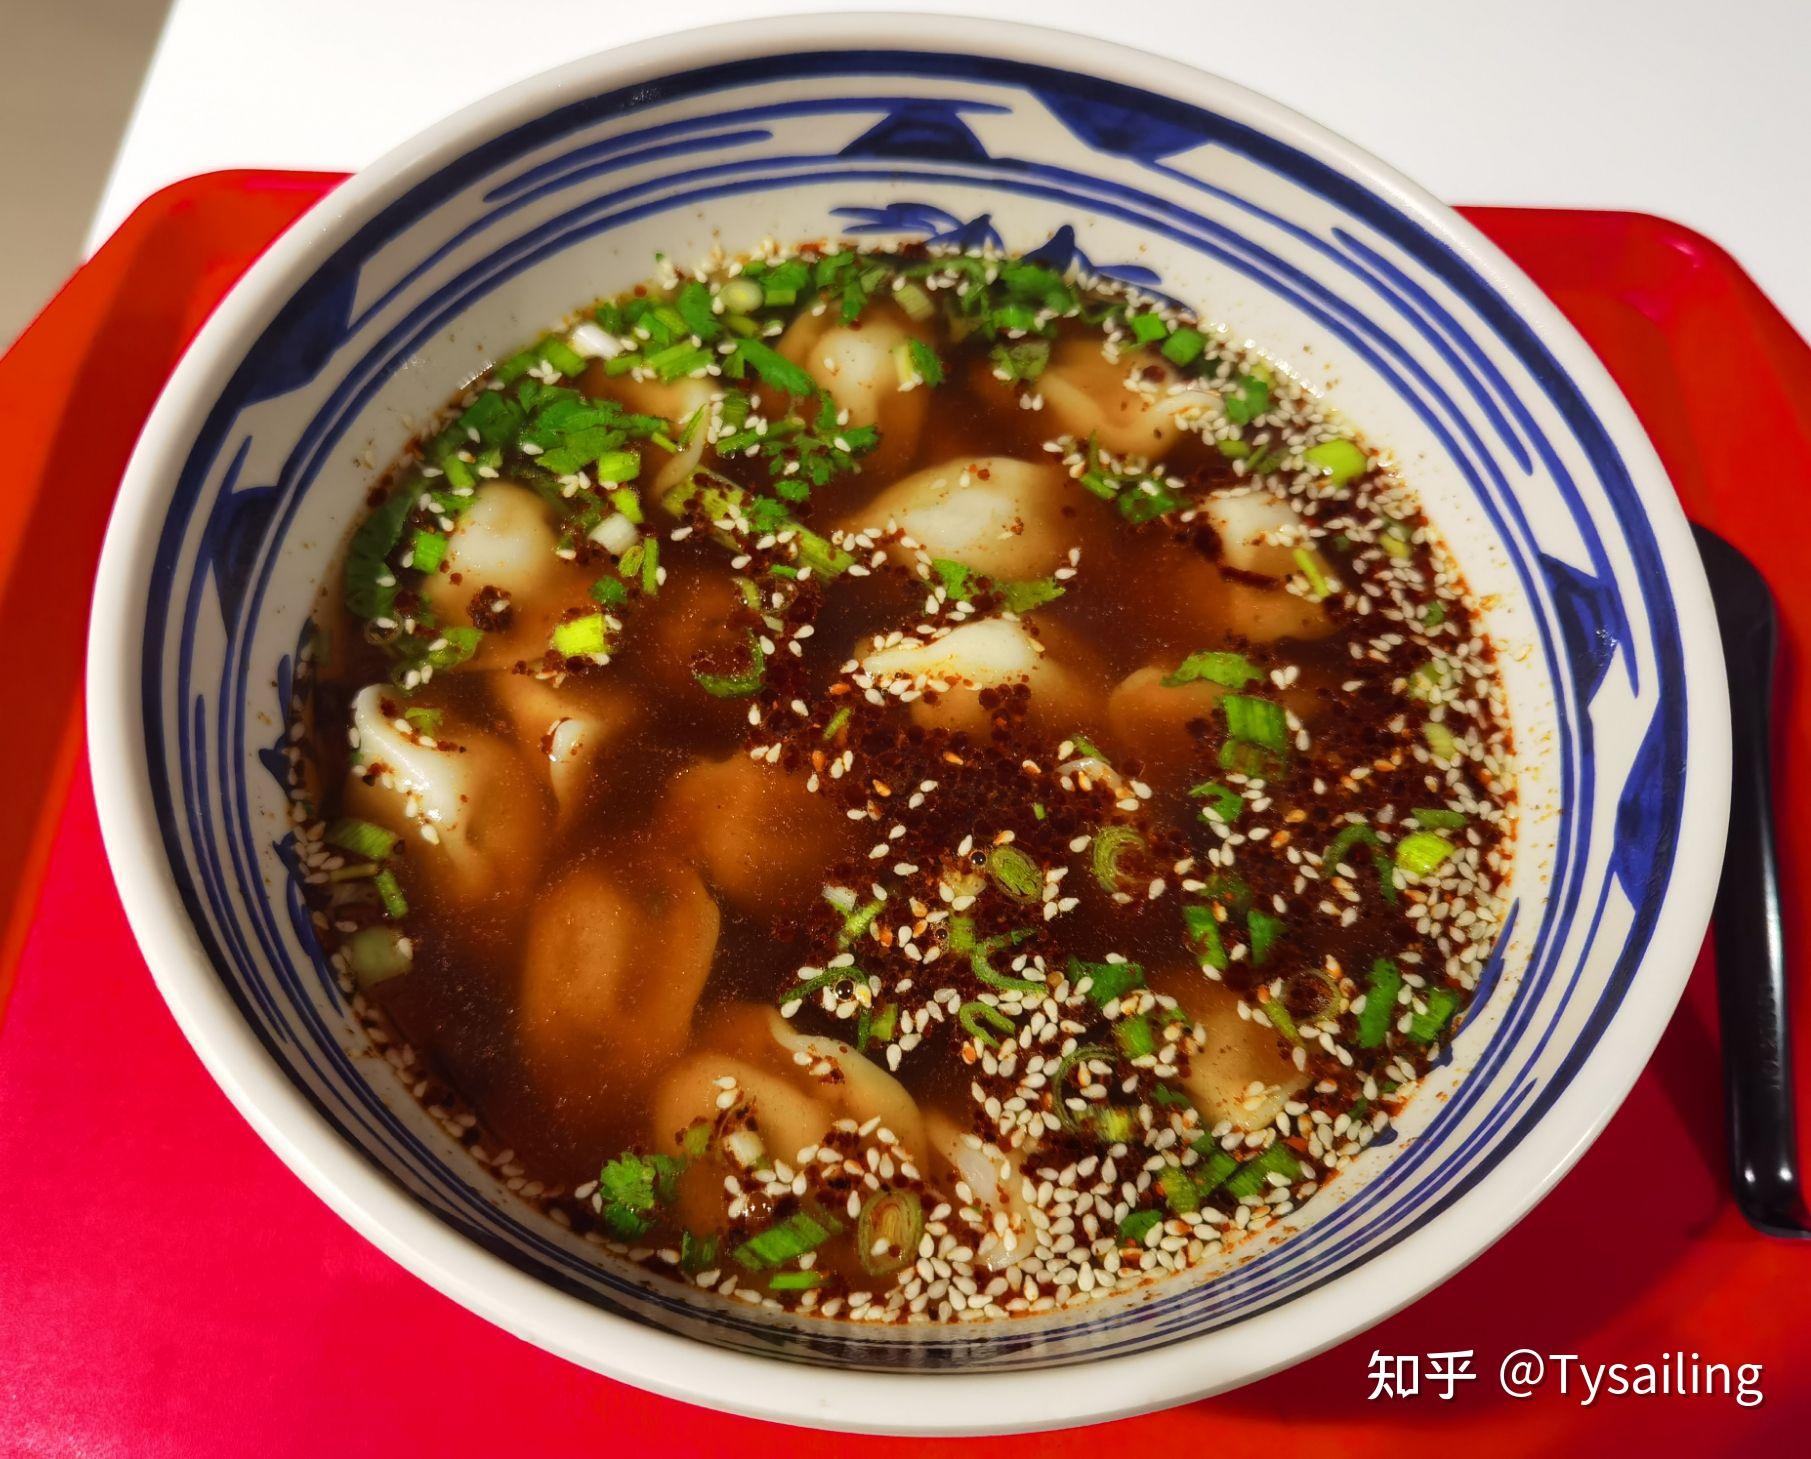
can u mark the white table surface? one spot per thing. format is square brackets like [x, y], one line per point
[1699, 112]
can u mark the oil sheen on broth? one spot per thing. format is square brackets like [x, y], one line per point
[902, 785]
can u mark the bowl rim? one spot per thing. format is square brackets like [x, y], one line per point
[781, 1389]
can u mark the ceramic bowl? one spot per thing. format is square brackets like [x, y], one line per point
[467, 242]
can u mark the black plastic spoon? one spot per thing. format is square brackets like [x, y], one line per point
[1747, 928]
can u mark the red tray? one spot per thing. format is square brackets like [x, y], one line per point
[166, 1287]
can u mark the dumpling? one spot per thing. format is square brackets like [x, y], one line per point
[996, 515]
[505, 540]
[571, 727]
[759, 836]
[1085, 394]
[675, 402]
[988, 653]
[1259, 531]
[862, 1088]
[1174, 724]
[613, 967]
[693, 615]
[792, 1107]
[1153, 720]
[1241, 1074]
[997, 1187]
[487, 815]
[1207, 606]
[857, 366]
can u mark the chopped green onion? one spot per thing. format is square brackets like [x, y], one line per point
[389, 892]
[889, 1230]
[737, 685]
[837, 721]
[1111, 843]
[1107, 981]
[914, 301]
[1204, 931]
[1015, 873]
[376, 954]
[741, 296]
[1341, 460]
[1379, 1012]
[1256, 722]
[427, 550]
[1442, 743]
[980, 952]
[1280, 1020]
[1249, 400]
[797, 1234]
[1180, 1193]
[1265, 930]
[1229, 670]
[370, 586]
[795, 1281]
[1135, 1037]
[1320, 586]
[859, 920]
[1224, 803]
[362, 839]
[1254, 1175]
[1427, 682]
[1213, 1170]
[1069, 1063]
[877, 1025]
[1439, 819]
[579, 637]
[1137, 1226]
[422, 719]
[1184, 346]
[1147, 328]
[696, 1254]
[621, 466]
[610, 592]
[974, 1013]
[1113, 1125]
[1421, 853]
[820, 554]
[1425, 1027]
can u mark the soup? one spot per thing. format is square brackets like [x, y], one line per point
[902, 785]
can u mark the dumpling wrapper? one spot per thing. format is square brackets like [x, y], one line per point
[505, 540]
[488, 816]
[1085, 394]
[612, 970]
[999, 516]
[675, 402]
[761, 838]
[987, 653]
[1241, 1075]
[994, 1193]
[791, 1107]
[1259, 531]
[857, 367]
[569, 729]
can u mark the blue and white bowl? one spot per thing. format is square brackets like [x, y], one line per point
[465, 243]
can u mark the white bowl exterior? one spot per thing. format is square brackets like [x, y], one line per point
[1415, 328]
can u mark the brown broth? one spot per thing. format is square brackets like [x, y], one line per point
[1143, 595]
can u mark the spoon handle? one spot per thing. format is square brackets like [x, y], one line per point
[1748, 932]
